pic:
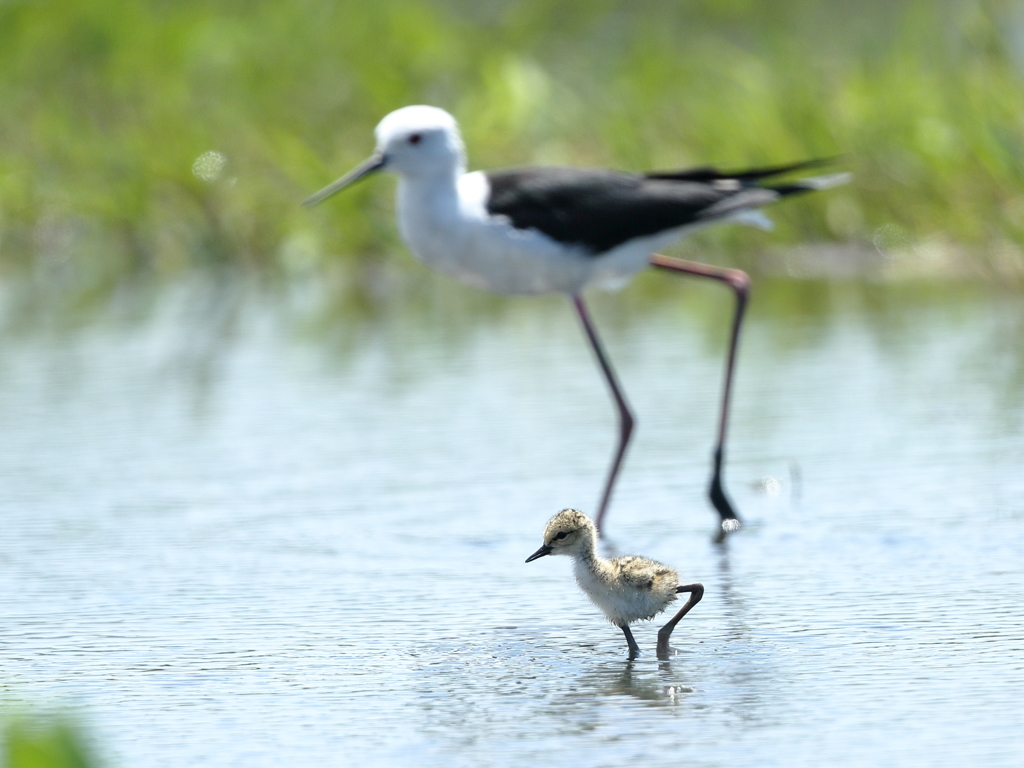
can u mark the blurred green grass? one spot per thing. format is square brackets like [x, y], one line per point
[109, 107]
[44, 743]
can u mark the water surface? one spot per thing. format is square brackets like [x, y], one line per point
[229, 542]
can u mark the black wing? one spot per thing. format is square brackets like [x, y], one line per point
[602, 209]
[710, 173]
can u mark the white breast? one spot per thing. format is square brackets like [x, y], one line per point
[447, 226]
[620, 603]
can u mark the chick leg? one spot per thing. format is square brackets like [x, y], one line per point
[696, 593]
[634, 649]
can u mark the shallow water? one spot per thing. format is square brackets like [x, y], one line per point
[252, 547]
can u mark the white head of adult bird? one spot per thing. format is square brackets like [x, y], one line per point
[626, 589]
[557, 229]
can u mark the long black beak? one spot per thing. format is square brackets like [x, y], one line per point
[368, 166]
[545, 550]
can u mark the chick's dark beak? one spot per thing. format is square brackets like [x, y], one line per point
[365, 168]
[545, 550]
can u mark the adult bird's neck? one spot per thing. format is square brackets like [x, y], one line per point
[427, 202]
[436, 177]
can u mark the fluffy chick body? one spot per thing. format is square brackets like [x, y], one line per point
[626, 589]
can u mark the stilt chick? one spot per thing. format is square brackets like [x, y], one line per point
[627, 589]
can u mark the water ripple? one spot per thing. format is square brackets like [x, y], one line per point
[317, 565]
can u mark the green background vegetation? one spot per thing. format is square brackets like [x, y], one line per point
[44, 743]
[108, 105]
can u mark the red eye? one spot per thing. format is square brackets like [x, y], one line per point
[415, 138]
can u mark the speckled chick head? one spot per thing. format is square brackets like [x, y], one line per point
[570, 532]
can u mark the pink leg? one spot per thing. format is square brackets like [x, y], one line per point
[740, 284]
[626, 420]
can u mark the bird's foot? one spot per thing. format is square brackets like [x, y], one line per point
[729, 525]
[664, 650]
